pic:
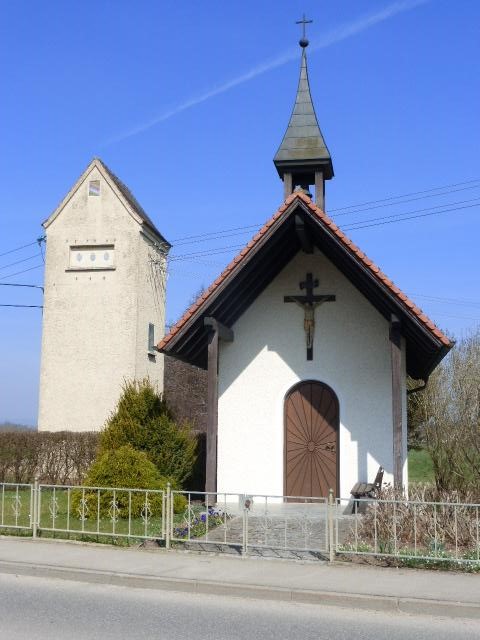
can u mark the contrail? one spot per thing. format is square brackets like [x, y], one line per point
[332, 37]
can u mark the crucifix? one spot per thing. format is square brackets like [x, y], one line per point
[309, 303]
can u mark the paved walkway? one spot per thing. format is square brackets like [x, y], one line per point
[296, 531]
[354, 586]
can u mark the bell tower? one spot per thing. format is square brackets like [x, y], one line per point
[303, 158]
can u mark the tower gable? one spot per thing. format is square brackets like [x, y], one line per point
[96, 177]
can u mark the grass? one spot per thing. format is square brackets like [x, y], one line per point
[420, 467]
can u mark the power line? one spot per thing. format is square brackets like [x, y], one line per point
[453, 301]
[38, 241]
[11, 264]
[17, 273]
[24, 246]
[353, 226]
[26, 306]
[393, 204]
[360, 224]
[452, 315]
[407, 195]
[213, 234]
[13, 284]
[211, 252]
[219, 236]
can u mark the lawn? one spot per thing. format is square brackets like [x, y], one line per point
[420, 467]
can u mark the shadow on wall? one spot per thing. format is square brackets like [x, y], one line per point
[185, 390]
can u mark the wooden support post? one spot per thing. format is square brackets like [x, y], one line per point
[212, 412]
[217, 331]
[287, 184]
[320, 190]
[396, 360]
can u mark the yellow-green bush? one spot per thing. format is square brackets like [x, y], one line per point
[143, 421]
[123, 468]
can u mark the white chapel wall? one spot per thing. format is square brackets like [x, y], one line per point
[268, 356]
[92, 319]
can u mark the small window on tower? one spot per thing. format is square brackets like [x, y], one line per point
[94, 188]
[151, 338]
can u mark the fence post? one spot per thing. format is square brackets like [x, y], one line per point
[246, 508]
[331, 544]
[167, 515]
[245, 532]
[35, 514]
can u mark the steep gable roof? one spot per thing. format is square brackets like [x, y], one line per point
[122, 191]
[268, 252]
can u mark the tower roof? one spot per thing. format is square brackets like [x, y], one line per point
[303, 148]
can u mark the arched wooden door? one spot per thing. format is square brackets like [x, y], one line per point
[311, 440]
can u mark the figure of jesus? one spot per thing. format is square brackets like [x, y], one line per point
[309, 320]
[309, 303]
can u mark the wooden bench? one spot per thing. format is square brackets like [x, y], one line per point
[366, 490]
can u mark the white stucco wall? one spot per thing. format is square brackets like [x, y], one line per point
[95, 323]
[268, 356]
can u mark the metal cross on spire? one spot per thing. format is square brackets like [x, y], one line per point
[303, 42]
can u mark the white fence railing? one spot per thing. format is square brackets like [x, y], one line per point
[285, 526]
[16, 501]
[101, 511]
[251, 522]
[409, 530]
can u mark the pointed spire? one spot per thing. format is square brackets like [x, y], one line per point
[303, 152]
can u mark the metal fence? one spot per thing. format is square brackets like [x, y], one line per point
[256, 524]
[16, 501]
[408, 530]
[101, 511]
[285, 526]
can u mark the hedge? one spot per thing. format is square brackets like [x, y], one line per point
[61, 457]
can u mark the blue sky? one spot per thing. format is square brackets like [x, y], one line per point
[187, 102]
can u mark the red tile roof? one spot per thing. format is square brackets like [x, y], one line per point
[351, 247]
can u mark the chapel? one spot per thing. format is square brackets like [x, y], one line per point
[306, 345]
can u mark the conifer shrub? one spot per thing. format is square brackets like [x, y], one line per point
[123, 468]
[143, 421]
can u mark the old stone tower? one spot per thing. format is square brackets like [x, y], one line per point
[104, 305]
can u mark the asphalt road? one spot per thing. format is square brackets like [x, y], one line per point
[50, 609]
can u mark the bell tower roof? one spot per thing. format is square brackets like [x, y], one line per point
[303, 144]
[303, 151]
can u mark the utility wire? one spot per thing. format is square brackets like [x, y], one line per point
[13, 284]
[407, 195]
[393, 204]
[26, 306]
[452, 301]
[24, 246]
[475, 183]
[388, 201]
[360, 224]
[11, 264]
[352, 227]
[17, 273]
[243, 230]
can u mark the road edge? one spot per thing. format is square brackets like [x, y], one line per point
[413, 606]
